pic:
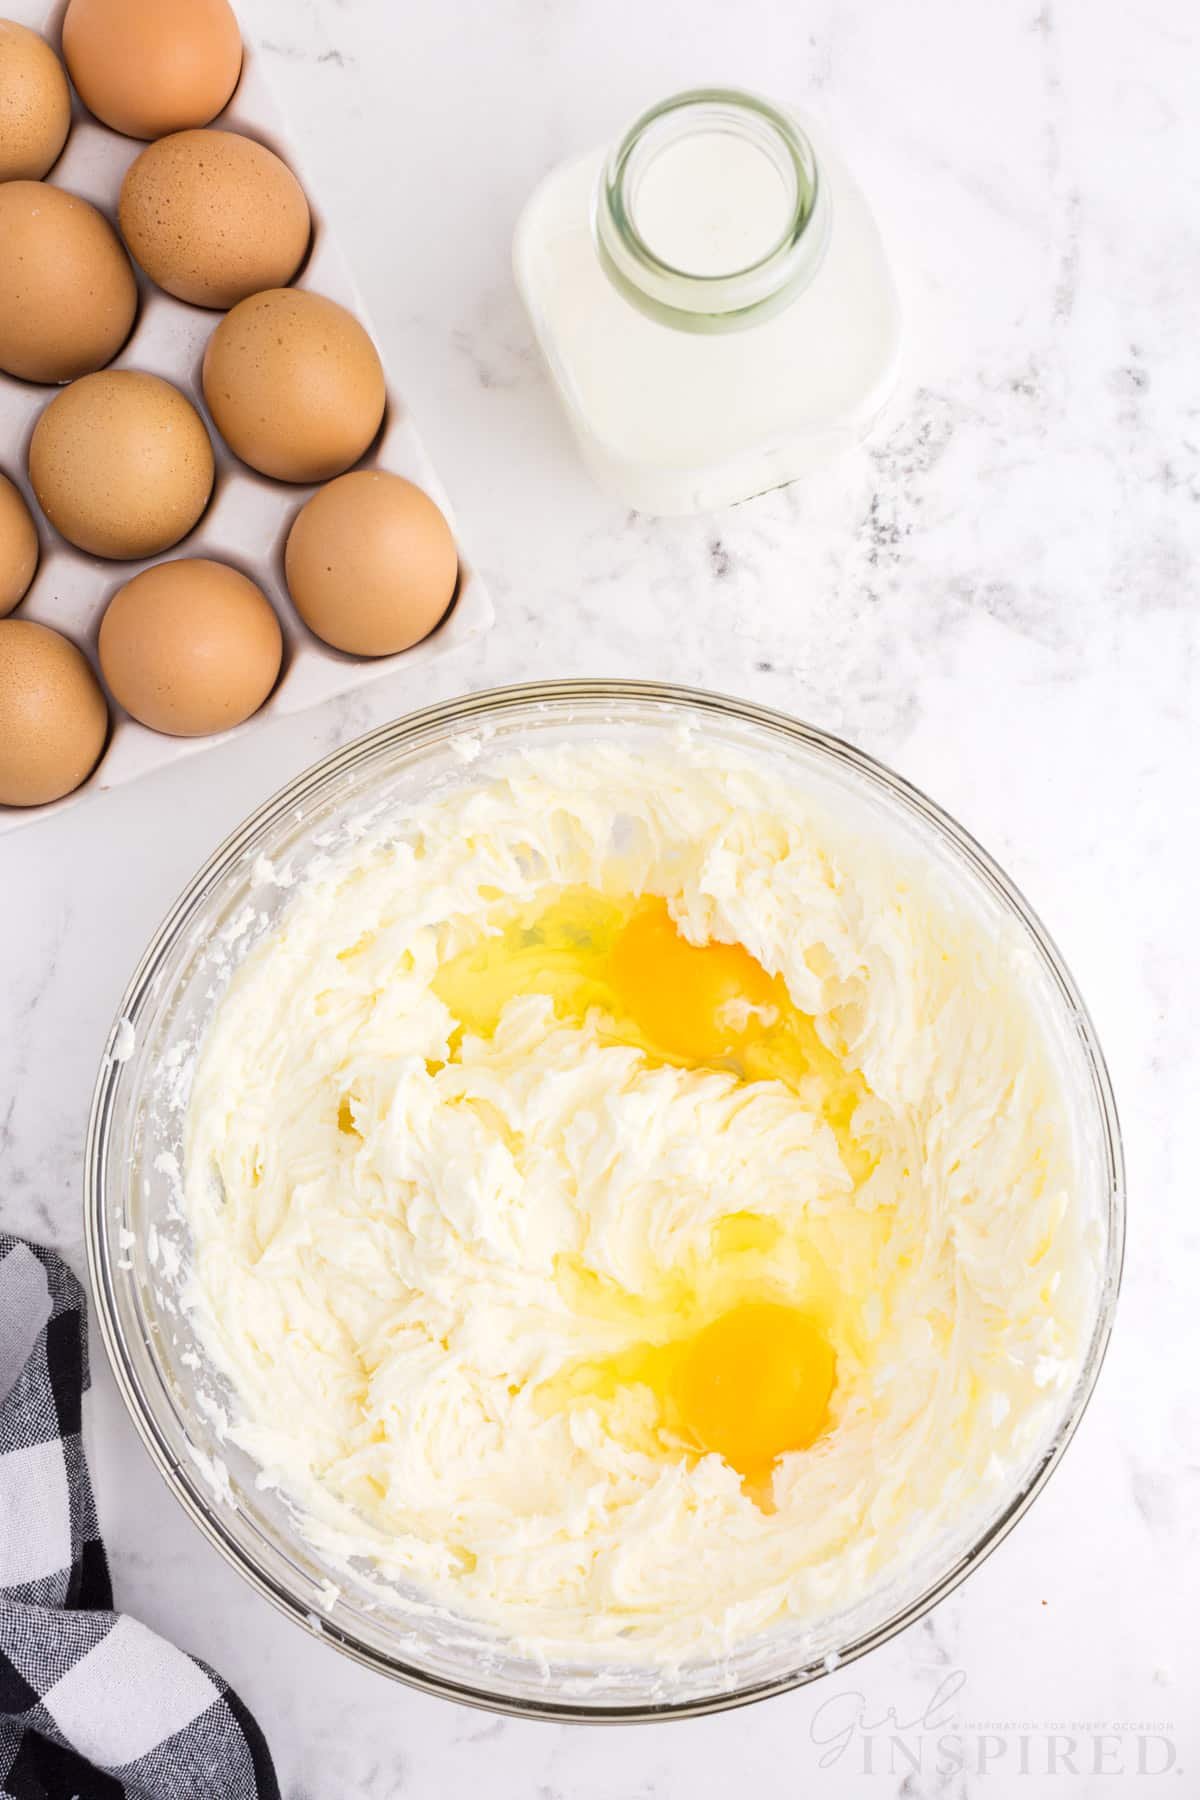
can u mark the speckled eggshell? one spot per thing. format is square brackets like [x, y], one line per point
[67, 293]
[294, 385]
[147, 67]
[213, 217]
[18, 547]
[121, 464]
[190, 647]
[371, 563]
[53, 717]
[35, 104]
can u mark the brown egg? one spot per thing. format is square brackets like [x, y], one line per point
[67, 293]
[294, 385]
[18, 547]
[213, 217]
[371, 564]
[35, 104]
[190, 647]
[53, 719]
[147, 67]
[121, 464]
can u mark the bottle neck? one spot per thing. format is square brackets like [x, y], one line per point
[710, 214]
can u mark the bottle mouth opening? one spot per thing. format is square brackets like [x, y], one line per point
[710, 212]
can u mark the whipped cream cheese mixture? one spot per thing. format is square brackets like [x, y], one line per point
[632, 1205]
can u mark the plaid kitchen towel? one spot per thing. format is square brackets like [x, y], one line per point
[93, 1706]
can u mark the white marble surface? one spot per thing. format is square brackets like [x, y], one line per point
[997, 597]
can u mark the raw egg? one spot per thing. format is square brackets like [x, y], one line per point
[754, 1384]
[67, 293]
[18, 547]
[147, 67]
[738, 1342]
[213, 217]
[190, 647]
[294, 385]
[371, 563]
[53, 719]
[35, 104]
[694, 1000]
[121, 464]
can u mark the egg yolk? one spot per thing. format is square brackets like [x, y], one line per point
[694, 1000]
[754, 1384]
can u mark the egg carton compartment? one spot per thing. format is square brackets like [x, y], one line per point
[249, 515]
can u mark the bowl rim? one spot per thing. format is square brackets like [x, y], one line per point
[465, 711]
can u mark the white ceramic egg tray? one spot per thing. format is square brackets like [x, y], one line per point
[248, 518]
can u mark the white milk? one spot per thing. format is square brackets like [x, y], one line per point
[710, 203]
[714, 303]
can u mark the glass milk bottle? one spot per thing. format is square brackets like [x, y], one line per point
[713, 300]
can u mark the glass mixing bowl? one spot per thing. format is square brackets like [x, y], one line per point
[137, 1237]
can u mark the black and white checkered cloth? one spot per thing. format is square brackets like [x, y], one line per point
[93, 1706]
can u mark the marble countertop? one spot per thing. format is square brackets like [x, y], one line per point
[997, 596]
